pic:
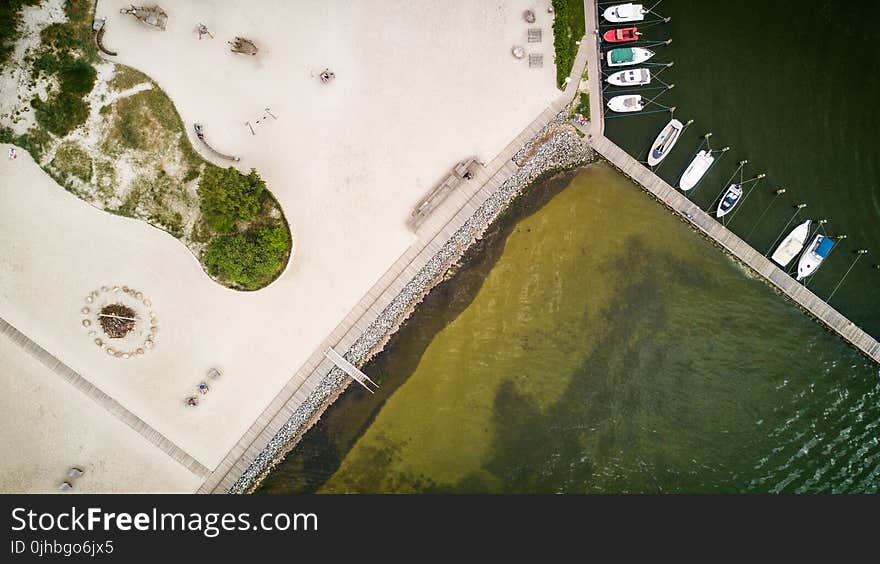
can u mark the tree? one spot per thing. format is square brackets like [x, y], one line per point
[228, 196]
[249, 260]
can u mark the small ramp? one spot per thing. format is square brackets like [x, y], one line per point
[351, 370]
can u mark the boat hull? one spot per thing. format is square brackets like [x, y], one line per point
[792, 245]
[630, 77]
[640, 55]
[696, 170]
[621, 35]
[813, 256]
[665, 141]
[622, 13]
[625, 104]
[731, 198]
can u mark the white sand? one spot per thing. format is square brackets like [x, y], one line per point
[50, 436]
[420, 85]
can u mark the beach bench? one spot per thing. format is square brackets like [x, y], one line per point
[461, 172]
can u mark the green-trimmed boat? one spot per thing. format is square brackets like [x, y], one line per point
[625, 56]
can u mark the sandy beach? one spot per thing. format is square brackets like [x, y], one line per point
[419, 87]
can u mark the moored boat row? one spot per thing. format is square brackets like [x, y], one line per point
[794, 244]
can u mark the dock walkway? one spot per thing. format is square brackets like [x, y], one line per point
[796, 292]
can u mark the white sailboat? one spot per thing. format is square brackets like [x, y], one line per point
[628, 12]
[812, 258]
[792, 245]
[626, 103]
[630, 77]
[729, 201]
[696, 170]
[665, 141]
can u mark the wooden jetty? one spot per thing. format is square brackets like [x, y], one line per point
[675, 200]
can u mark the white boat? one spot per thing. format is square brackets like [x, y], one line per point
[729, 200]
[625, 56]
[626, 103]
[696, 170]
[792, 245]
[665, 141]
[630, 77]
[628, 12]
[812, 258]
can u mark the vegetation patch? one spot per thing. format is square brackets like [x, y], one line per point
[10, 19]
[71, 161]
[229, 197]
[583, 106]
[250, 259]
[133, 158]
[569, 26]
[126, 77]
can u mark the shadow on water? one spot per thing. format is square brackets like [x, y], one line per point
[319, 453]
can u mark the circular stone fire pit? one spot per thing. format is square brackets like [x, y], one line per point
[120, 321]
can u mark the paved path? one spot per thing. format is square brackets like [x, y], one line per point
[674, 199]
[436, 229]
[102, 399]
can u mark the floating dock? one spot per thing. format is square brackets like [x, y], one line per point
[675, 200]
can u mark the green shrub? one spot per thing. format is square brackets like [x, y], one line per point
[65, 109]
[61, 113]
[249, 260]
[228, 196]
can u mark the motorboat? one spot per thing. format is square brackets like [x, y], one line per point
[695, 171]
[628, 12]
[665, 141]
[630, 77]
[626, 103]
[812, 258]
[792, 245]
[729, 201]
[621, 35]
[625, 56]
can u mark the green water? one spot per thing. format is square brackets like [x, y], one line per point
[793, 88]
[596, 344]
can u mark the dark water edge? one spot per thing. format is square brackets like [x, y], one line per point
[321, 450]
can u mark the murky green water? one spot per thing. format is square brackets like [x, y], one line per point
[607, 349]
[596, 344]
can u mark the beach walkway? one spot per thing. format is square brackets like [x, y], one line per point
[433, 232]
[675, 200]
[102, 399]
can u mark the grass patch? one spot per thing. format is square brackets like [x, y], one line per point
[36, 142]
[583, 106]
[10, 19]
[72, 161]
[569, 25]
[126, 77]
[249, 260]
[66, 53]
